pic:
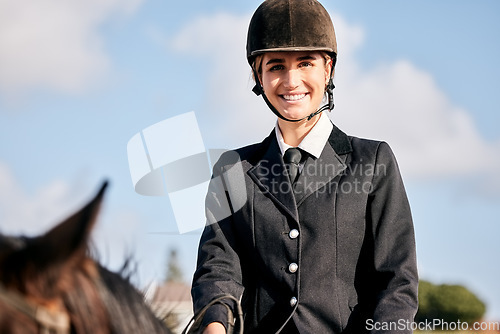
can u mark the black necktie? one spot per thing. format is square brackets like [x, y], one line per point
[292, 159]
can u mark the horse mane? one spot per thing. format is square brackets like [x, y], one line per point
[56, 272]
[124, 303]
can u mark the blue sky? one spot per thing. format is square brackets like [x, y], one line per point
[79, 79]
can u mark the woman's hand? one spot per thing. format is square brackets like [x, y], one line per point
[215, 328]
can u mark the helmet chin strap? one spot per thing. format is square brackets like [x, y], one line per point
[259, 90]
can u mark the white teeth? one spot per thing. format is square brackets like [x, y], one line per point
[294, 97]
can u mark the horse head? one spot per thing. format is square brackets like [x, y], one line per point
[50, 284]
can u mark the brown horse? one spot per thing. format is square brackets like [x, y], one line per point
[49, 284]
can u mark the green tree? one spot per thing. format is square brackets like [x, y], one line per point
[449, 303]
[174, 272]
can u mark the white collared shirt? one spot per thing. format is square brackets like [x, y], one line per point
[314, 142]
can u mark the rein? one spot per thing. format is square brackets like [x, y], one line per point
[194, 325]
[50, 322]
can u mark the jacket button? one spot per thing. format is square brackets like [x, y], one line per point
[293, 267]
[293, 234]
[293, 301]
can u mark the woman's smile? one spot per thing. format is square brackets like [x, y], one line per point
[294, 82]
[293, 97]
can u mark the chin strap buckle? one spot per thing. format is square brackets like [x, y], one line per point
[257, 89]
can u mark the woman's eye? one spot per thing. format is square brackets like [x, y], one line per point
[276, 68]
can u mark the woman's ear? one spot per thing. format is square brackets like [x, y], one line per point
[257, 89]
[258, 79]
[257, 76]
[329, 70]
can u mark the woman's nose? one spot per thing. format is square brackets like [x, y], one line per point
[292, 79]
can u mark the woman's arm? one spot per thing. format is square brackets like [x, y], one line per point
[218, 269]
[394, 251]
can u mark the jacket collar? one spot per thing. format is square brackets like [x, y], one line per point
[339, 141]
[270, 175]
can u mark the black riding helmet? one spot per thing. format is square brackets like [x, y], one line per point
[291, 25]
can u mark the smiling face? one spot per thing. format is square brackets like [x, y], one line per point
[294, 82]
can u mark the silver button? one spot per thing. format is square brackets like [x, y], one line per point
[293, 301]
[293, 234]
[293, 267]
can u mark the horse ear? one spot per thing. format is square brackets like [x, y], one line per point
[9, 245]
[68, 240]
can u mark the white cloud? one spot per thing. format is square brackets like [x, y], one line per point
[32, 214]
[221, 41]
[396, 102]
[54, 44]
[117, 233]
[403, 105]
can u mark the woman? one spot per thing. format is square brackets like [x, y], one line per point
[310, 228]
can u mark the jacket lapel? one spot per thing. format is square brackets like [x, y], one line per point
[317, 173]
[270, 175]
